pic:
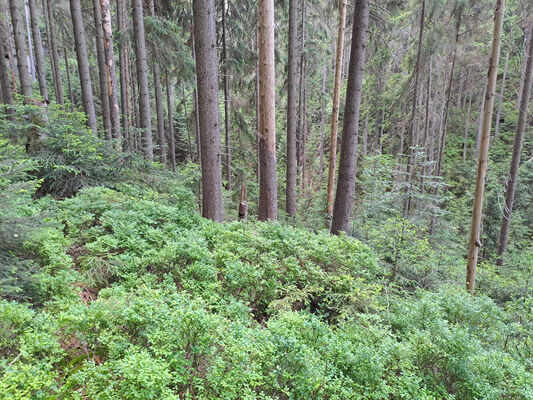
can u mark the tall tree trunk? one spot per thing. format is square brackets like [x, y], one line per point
[20, 46]
[31, 58]
[208, 108]
[142, 79]
[69, 82]
[54, 53]
[322, 122]
[83, 64]
[347, 164]
[102, 76]
[186, 115]
[365, 134]
[196, 112]
[517, 150]
[426, 125]
[170, 112]
[39, 53]
[7, 94]
[124, 73]
[111, 75]
[467, 126]
[475, 232]
[268, 193]
[411, 160]
[290, 201]
[335, 110]
[226, 96]
[500, 100]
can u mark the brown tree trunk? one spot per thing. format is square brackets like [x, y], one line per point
[226, 96]
[208, 109]
[20, 46]
[500, 100]
[322, 122]
[83, 64]
[347, 165]
[243, 203]
[290, 200]
[170, 112]
[111, 75]
[69, 82]
[335, 110]
[268, 193]
[54, 53]
[142, 79]
[467, 126]
[411, 160]
[475, 232]
[102, 76]
[124, 73]
[517, 150]
[39, 52]
[7, 94]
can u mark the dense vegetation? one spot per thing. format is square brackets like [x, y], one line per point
[123, 291]
[182, 217]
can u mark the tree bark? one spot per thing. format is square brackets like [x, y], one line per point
[102, 76]
[142, 79]
[347, 165]
[208, 108]
[268, 194]
[411, 160]
[290, 201]
[170, 112]
[111, 75]
[467, 126]
[39, 52]
[226, 96]
[30, 41]
[124, 78]
[475, 231]
[322, 122]
[500, 100]
[243, 203]
[69, 82]
[7, 94]
[83, 64]
[517, 150]
[20, 46]
[335, 110]
[54, 53]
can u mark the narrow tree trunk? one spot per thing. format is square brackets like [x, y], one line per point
[517, 150]
[111, 75]
[475, 232]
[335, 110]
[196, 112]
[102, 75]
[365, 134]
[347, 165]
[322, 122]
[7, 94]
[69, 82]
[186, 115]
[39, 53]
[292, 70]
[411, 160]
[467, 126]
[83, 64]
[20, 46]
[500, 101]
[31, 58]
[124, 76]
[268, 193]
[207, 81]
[54, 53]
[142, 78]
[243, 203]
[170, 112]
[426, 127]
[226, 96]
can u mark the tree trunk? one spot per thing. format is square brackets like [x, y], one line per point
[83, 64]
[243, 203]
[347, 164]
[226, 96]
[54, 53]
[170, 112]
[268, 193]
[290, 203]
[517, 150]
[475, 232]
[411, 160]
[7, 94]
[335, 110]
[142, 79]
[20, 46]
[124, 73]
[467, 126]
[102, 75]
[322, 122]
[500, 101]
[69, 82]
[208, 107]
[30, 42]
[111, 75]
[39, 53]
[186, 115]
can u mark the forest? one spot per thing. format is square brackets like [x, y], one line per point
[270, 199]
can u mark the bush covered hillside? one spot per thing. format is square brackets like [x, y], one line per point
[122, 291]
